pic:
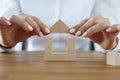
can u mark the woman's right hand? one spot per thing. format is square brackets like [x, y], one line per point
[20, 27]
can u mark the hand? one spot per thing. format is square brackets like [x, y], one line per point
[114, 31]
[20, 27]
[97, 29]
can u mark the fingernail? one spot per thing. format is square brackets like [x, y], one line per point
[72, 30]
[40, 34]
[78, 33]
[8, 22]
[109, 29]
[47, 30]
[84, 34]
[30, 28]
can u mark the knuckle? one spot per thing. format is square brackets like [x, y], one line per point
[103, 25]
[37, 30]
[98, 19]
[14, 16]
[27, 17]
[24, 24]
[82, 29]
[41, 24]
[84, 26]
[95, 20]
[35, 18]
[76, 26]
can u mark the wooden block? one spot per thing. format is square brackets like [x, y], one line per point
[71, 46]
[60, 56]
[113, 58]
[59, 27]
[48, 46]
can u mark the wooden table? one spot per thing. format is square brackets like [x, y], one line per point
[31, 66]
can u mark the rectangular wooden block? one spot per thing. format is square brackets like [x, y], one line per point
[71, 46]
[48, 46]
[62, 56]
[113, 58]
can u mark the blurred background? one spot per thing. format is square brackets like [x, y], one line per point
[117, 5]
[118, 8]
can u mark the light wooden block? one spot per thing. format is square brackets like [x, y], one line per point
[48, 46]
[60, 56]
[59, 27]
[113, 58]
[69, 55]
[71, 46]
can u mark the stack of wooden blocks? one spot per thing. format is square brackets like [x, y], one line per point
[112, 58]
[69, 55]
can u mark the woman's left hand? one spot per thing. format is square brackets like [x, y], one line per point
[98, 29]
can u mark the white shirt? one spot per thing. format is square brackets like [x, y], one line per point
[71, 12]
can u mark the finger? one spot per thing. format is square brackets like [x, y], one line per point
[16, 20]
[101, 24]
[74, 29]
[95, 29]
[4, 21]
[114, 28]
[42, 26]
[35, 26]
[85, 26]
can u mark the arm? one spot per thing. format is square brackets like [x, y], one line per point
[108, 9]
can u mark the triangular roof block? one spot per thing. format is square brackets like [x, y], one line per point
[59, 27]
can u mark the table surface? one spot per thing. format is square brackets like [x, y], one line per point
[32, 66]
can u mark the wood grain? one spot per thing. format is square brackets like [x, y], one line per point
[31, 66]
[71, 46]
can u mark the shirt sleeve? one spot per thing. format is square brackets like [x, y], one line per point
[9, 8]
[108, 9]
